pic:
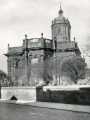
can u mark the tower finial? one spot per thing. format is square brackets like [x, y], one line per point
[41, 35]
[74, 38]
[8, 46]
[60, 5]
[60, 11]
[25, 36]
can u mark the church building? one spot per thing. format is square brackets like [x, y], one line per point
[55, 61]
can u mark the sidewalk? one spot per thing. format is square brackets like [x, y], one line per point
[58, 106]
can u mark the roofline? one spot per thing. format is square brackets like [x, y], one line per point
[39, 38]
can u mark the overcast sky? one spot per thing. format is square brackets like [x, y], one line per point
[33, 17]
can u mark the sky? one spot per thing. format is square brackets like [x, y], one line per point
[32, 17]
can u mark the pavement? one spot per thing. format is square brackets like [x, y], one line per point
[49, 105]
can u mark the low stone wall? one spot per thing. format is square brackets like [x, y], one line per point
[21, 93]
[60, 96]
[77, 96]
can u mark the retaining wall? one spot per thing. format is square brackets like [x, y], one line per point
[21, 93]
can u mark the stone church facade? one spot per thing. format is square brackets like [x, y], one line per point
[55, 61]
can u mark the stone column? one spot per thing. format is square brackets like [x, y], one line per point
[26, 62]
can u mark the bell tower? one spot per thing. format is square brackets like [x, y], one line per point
[61, 27]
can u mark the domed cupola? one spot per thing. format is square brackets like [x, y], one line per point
[61, 27]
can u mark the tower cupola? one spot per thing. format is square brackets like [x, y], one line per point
[61, 27]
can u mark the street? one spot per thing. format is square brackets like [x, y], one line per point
[24, 112]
